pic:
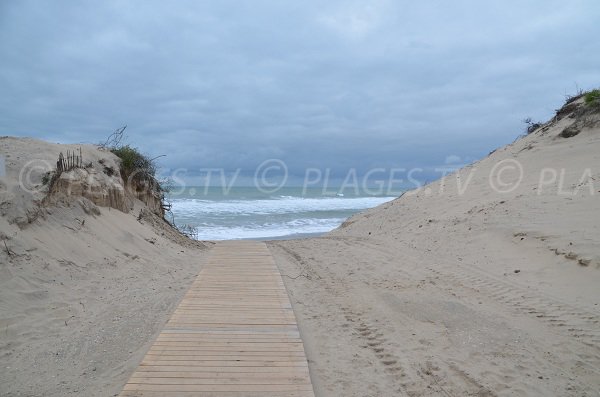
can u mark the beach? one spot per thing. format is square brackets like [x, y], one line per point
[299, 199]
[484, 283]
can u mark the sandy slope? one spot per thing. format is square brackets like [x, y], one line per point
[85, 289]
[471, 292]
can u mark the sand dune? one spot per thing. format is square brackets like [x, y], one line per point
[85, 288]
[459, 288]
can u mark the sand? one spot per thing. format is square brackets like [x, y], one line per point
[480, 293]
[82, 295]
[451, 290]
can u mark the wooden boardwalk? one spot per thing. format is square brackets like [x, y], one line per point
[234, 334]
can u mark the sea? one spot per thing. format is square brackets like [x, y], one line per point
[238, 213]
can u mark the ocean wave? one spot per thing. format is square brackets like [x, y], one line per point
[282, 205]
[211, 231]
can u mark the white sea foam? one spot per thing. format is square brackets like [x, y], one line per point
[268, 230]
[275, 206]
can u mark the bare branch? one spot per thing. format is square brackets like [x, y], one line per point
[114, 139]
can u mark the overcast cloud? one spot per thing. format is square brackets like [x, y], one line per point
[334, 84]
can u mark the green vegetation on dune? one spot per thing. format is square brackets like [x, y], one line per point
[134, 164]
[592, 97]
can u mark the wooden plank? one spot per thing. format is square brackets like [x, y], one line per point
[217, 355]
[216, 377]
[146, 393]
[215, 369]
[215, 388]
[174, 333]
[221, 381]
[233, 334]
[255, 347]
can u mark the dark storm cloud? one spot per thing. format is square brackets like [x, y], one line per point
[317, 84]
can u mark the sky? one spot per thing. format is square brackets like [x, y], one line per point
[336, 85]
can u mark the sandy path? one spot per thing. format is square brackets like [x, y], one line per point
[381, 321]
